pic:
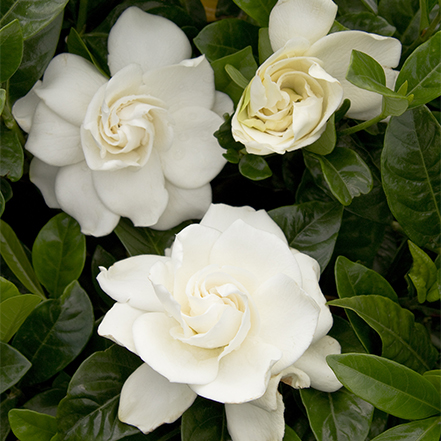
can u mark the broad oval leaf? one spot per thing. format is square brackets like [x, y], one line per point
[91, 405]
[29, 425]
[311, 227]
[55, 333]
[11, 49]
[14, 366]
[254, 167]
[59, 253]
[410, 168]
[257, 9]
[389, 386]
[428, 429]
[337, 416]
[403, 340]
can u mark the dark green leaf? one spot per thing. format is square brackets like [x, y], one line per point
[11, 49]
[410, 168]
[14, 366]
[326, 143]
[13, 312]
[226, 37]
[7, 289]
[101, 258]
[368, 22]
[404, 341]
[265, 49]
[55, 333]
[59, 253]
[2, 100]
[343, 332]
[254, 167]
[8, 402]
[33, 15]
[311, 227]
[28, 425]
[91, 404]
[290, 434]
[259, 10]
[387, 385]
[337, 416]
[16, 259]
[422, 71]
[434, 377]
[11, 155]
[204, 420]
[423, 430]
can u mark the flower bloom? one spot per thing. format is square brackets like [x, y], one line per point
[137, 145]
[227, 314]
[296, 90]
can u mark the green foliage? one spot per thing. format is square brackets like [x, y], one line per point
[28, 425]
[254, 167]
[14, 366]
[259, 10]
[11, 49]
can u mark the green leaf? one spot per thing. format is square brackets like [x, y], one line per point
[326, 143]
[11, 155]
[428, 429]
[423, 272]
[7, 289]
[55, 333]
[403, 340]
[8, 402]
[204, 420]
[290, 434]
[28, 425]
[11, 49]
[337, 416]
[16, 259]
[259, 10]
[422, 71]
[367, 22]
[2, 99]
[344, 333]
[14, 366]
[399, 13]
[410, 169]
[101, 258]
[236, 76]
[13, 312]
[265, 49]
[311, 227]
[226, 37]
[389, 386]
[33, 15]
[254, 167]
[59, 253]
[91, 404]
[434, 377]
[346, 174]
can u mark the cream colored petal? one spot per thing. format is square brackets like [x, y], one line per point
[24, 108]
[43, 176]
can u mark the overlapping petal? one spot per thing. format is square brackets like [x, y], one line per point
[43, 176]
[24, 108]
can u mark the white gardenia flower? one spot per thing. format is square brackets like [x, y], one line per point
[138, 145]
[288, 102]
[227, 314]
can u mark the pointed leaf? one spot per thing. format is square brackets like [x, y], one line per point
[428, 429]
[14, 366]
[7, 289]
[11, 49]
[387, 385]
[28, 425]
[434, 377]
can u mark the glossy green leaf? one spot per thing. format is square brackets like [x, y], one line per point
[28, 425]
[410, 168]
[11, 155]
[55, 333]
[7, 289]
[91, 404]
[367, 22]
[399, 13]
[226, 37]
[265, 49]
[33, 15]
[428, 429]
[326, 143]
[59, 253]
[13, 367]
[311, 227]
[337, 416]
[205, 421]
[13, 312]
[16, 259]
[403, 340]
[422, 71]
[434, 377]
[254, 167]
[11, 49]
[387, 385]
[346, 174]
[259, 10]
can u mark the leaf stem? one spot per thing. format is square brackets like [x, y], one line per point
[362, 126]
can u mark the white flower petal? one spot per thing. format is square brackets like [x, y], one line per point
[335, 50]
[117, 325]
[248, 422]
[43, 176]
[221, 216]
[190, 83]
[310, 19]
[136, 193]
[69, 84]
[128, 281]
[24, 108]
[149, 400]
[313, 363]
[148, 40]
[222, 104]
[179, 362]
[76, 195]
[183, 204]
[288, 316]
[195, 156]
[52, 139]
